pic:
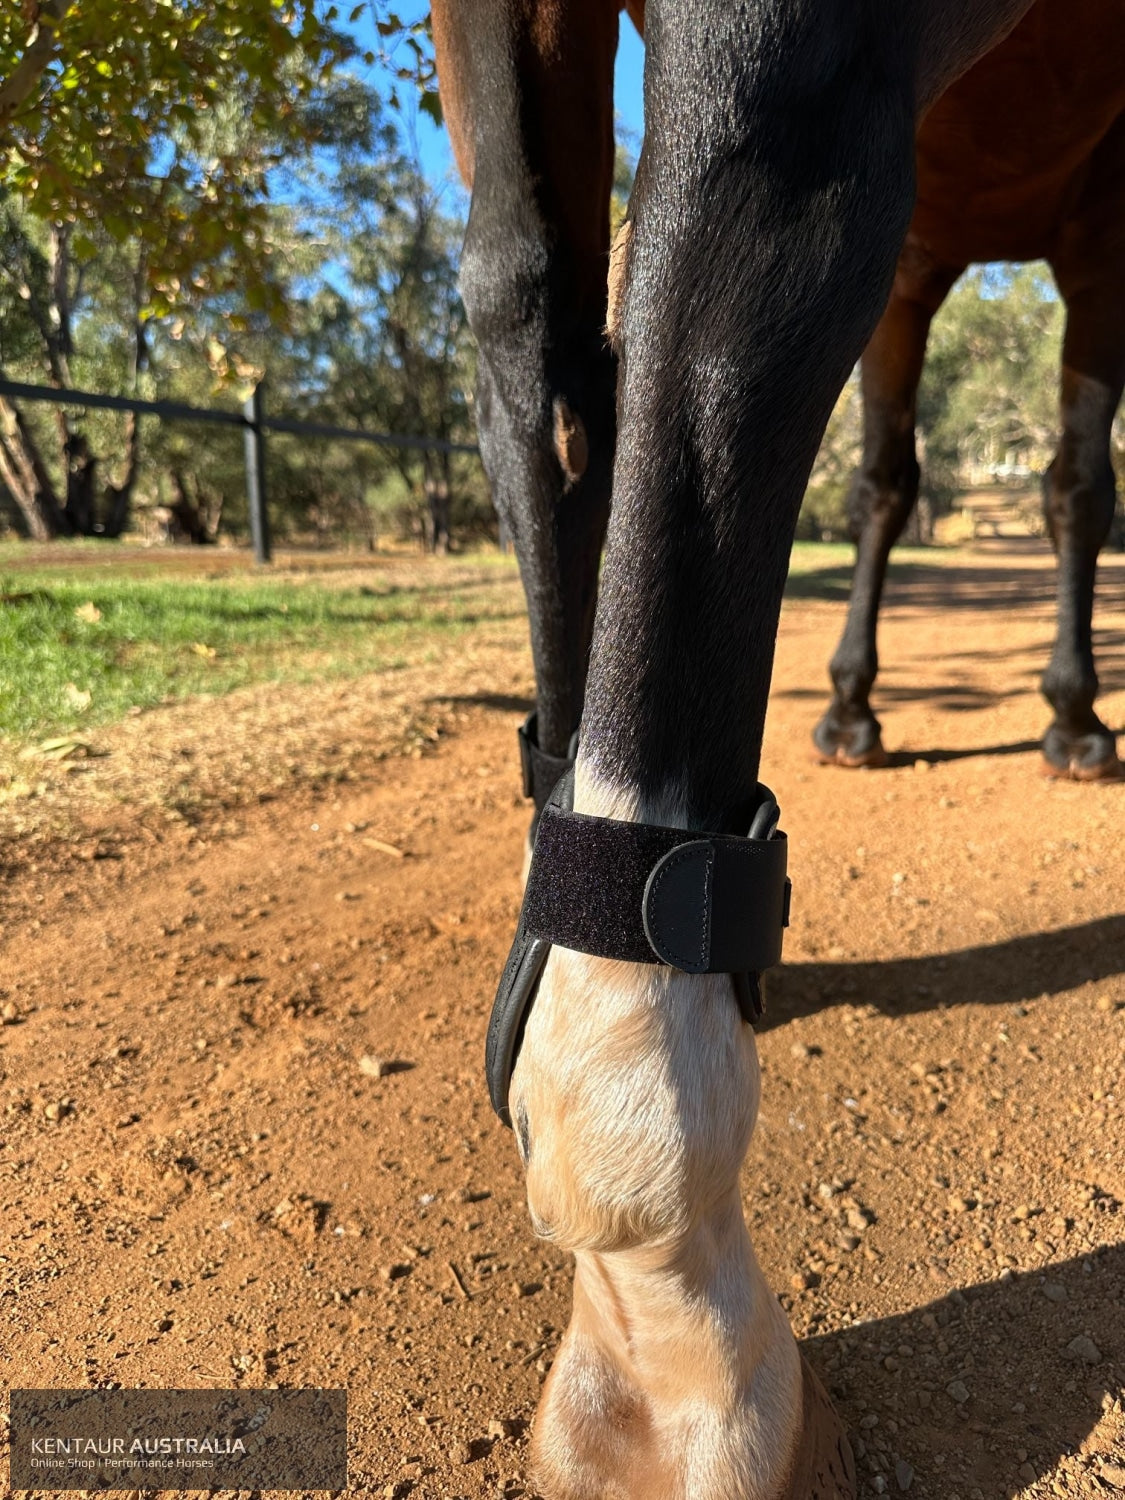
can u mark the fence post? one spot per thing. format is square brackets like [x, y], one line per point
[255, 449]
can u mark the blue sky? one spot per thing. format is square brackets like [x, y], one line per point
[433, 144]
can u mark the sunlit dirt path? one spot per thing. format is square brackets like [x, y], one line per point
[244, 1136]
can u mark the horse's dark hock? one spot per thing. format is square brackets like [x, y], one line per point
[1050, 185]
[771, 201]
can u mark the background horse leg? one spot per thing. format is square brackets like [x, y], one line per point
[1079, 490]
[528, 95]
[881, 498]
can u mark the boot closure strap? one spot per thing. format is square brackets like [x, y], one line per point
[702, 903]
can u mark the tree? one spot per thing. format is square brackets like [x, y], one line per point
[409, 363]
[141, 137]
[988, 395]
[989, 392]
[108, 117]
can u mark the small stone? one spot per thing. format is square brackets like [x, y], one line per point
[958, 1205]
[1027, 1473]
[904, 1474]
[1054, 1291]
[858, 1219]
[1113, 1475]
[1085, 1349]
[879, 1485]
[800, 1281]
[848, 1242]
[9, 1013]
[799, 1049]
[374, 1067]
[461, 1453]
[501, 1427]
[1022, 1212]
[868, 1420]
[958, 1390]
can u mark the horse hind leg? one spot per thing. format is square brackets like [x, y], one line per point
[1079, 494]
[883, 494]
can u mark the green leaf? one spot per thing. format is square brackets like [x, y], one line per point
[430, 104]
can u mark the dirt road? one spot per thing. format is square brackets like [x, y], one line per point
[244, 1135]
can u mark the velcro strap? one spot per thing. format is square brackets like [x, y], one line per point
[541, 772]
[632, 891]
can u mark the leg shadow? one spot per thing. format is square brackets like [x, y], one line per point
[987, 1390]
[1006, 973]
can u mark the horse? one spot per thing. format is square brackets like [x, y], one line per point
[1023, 158]
[772, 199]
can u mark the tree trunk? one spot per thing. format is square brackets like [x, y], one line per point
[25, 476]
[188, 522]
[118, 498]
[435, 484]
[81, 479]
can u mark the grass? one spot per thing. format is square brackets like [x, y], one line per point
[82, 644]
[89, 632]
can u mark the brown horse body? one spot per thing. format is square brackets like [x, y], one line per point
[1023, 158]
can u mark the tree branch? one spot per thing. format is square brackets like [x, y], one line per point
[21, 82]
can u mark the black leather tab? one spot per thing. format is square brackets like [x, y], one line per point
[677, 906]
[719, 905]
[540, 771]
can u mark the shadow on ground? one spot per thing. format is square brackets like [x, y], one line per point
[983, 1381]
[499, 702]
[1004, 973]
[1001, 584]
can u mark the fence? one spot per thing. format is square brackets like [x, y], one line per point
[254, 422]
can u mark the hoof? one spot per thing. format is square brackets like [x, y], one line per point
[825, 1468]
[1110, 769]
[849, 737]
[1088, 754]
[870, 759]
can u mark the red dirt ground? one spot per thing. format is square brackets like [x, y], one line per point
[200, 1184]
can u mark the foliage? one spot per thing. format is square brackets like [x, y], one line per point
[364, 255]
[988, 396]
[158, 122]
[823, 514]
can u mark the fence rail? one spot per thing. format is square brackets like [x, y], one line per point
[255, 423]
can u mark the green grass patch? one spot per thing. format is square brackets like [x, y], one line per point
[81, 646]
[90, 631]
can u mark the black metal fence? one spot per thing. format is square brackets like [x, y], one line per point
[255, 423]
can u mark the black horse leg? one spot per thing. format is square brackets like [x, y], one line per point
[1078, 495]
[882, 496]
[529, 100]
